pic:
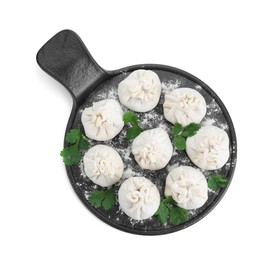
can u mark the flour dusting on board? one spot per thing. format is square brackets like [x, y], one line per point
[213, 107]
[112, 93]
[170, 85]
[130, 173]
[149, 120]
[208, 121]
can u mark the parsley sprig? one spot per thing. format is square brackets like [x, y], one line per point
[103, 198]
[133, 120]
[180, 134]
[217, 181]
[71, 154]
[168, 209]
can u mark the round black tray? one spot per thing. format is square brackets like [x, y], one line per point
[66, 58]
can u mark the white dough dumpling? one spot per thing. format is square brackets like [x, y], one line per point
[140, 91]
[139, 198]
[103, 121]
[103, 165]
[187, 186]
[209, 148]
[152, 149]
[184, 106]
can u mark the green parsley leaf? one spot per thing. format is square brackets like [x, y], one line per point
[168, 209]
[73, 136]
[217, 181]
[177, 129]
[103, 198]
[179, 142]
[135, 129]
[170, 201]
[212, 184]
[96, 198]
[83, 143]
[180, 133]
[191, 129]
[130, 117]
[71, 154]
[133, 132]
[178, 215]
[162, 213]
[109, 200]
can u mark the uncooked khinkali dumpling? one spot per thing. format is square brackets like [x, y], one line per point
[209, 148]
[184, 106]
[103, 121]
[152, 149]
[140, 91]
[103, 165]
[187, 186]
[139, 198]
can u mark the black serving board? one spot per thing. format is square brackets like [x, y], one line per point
[66, 58]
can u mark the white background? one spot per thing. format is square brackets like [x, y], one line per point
[230, 45]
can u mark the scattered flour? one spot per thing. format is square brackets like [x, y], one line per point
[112, 93]
[165, 127]
[124, 153]
[224, 126]
[213, 108]
[185, 160]
[82, 172]
[151, 119]
[174, 152]
[171, 167]
[169, 86]
[87, 194]
[208, 121]
[129, 173]
[204, 172]
[227, 166]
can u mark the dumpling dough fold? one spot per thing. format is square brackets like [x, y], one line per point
[140, 91]
[103, 165]
[103, 121]
[184, 106]
[152, 149]
[208, 148]
[139, 198]
[187, 186]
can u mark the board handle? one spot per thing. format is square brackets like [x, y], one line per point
[66, 59]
